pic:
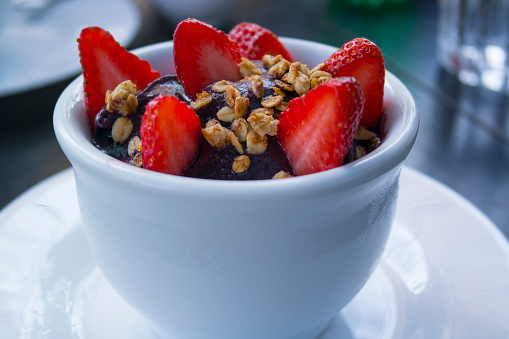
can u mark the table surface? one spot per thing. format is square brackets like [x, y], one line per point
[463, 140]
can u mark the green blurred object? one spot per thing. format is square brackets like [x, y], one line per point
[391, 26]
[375, 3]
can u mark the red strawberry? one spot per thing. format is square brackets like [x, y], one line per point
[170, 135]
[204, 55]
[317, 130]
[256, 41]
[360, 58]
[106, 64]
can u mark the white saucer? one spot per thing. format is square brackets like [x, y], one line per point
[40, 50]
[444, 274]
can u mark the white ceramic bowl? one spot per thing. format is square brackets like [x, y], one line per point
[260, 259]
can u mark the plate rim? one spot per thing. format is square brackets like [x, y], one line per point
[66, 177]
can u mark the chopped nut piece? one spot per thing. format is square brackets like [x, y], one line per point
[282, 175]
[241, 164]
[293, 73]
[226, 114]
[278, 91]
[272, 101]
[317, 81]
[363, 133]
[263, 110]
[263, 123]
[134, 145]
[215, 134]
[375, 143]
[255, 143]
[269, 60]
[240, 128]
[231, 94]
[360, 151]
[317, 68]
[220, 86]
[131, 103]
[203, 99]
[302, 84]
[319, 77]
[318, 74]
[284, 85]
[282, 106]
[279, 69]
[235, 142]
[128, 86]
[286, 78]
[122, 99]
[138, 160]
[241, 106]
[212, 122]
[257, 86]
[303, 68]
[249, 78]
[122, 128]
[247, 68]
[298, 77]
[297, 68]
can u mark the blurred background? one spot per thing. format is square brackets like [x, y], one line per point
[464, 135]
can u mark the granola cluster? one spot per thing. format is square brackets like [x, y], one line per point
[123, 100]
[249, 109]
[365, 141]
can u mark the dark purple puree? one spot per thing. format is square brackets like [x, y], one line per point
[214, 163]
[211, 162]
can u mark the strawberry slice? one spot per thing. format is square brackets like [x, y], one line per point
[204, 55]
[170, 135]
[256, 41]
[362, 59]
[106, 64]
[317, 130]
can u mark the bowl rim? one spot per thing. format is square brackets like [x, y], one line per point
[72, 135]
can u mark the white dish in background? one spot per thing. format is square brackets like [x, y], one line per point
[40, 50]
[444, 274]
[211, 11]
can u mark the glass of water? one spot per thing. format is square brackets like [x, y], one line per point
[473, 38]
